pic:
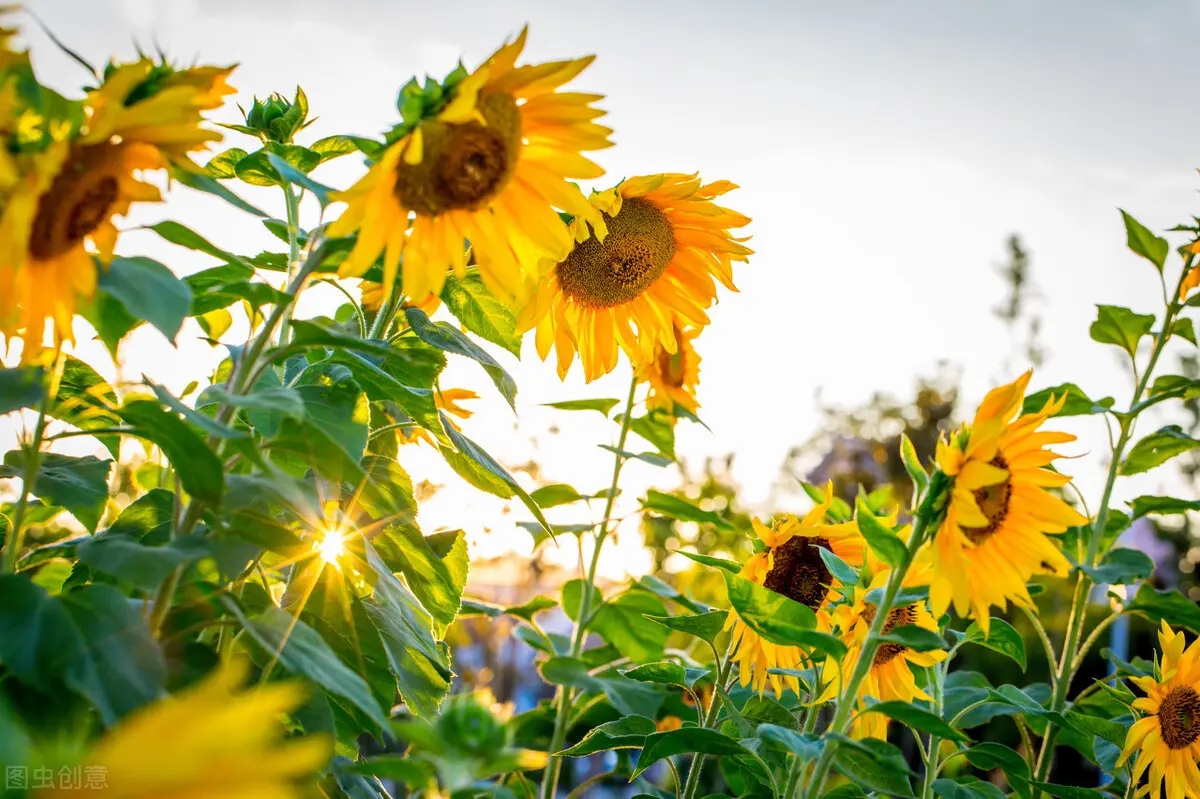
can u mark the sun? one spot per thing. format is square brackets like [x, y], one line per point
[332, 545]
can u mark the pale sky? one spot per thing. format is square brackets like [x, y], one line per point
[885, 151]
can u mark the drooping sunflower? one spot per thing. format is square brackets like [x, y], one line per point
[211, 740]
[993, 537]
[792, 566]
[891, 676]
[1167, 738]
[667, 240]
[490, 168]
[673, 376]
[58, 217]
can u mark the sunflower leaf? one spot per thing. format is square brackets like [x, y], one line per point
[1001, 637]
[882, 540]
[1157, 448]
[1120, 327]
[1077, 402]
[1144, 243]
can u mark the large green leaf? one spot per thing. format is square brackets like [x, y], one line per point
[1001, 637]
[438, 582]
[881, 538]
[1144, 243]
[1157, 448]
[85, 400]
[136, 563]
[93, 639]
[302, 651]
[966, 788]
[149, 291]
[482, 471]
[184, 236]
[603, 405]
[480, 312]
[1145, 505]
[629, 697]
[620, 621]
[1169, 606]
[332, 436]
[779, 619]
[1078, 403]
[875, 765]
[1122, 567]
[1120, 327]
[446, 337]
[420, 663]
[625, 733]
[918, 718]
[79, 485]
[199, 469]
[988, 756]
[678, 508]
[705, 626]
[662, 745]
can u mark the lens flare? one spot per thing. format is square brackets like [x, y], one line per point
[332, 546]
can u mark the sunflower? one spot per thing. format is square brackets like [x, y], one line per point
[673, 376]
[791, 565]
[59, 214]
[211, 740]
[154, 103]
[490, 167]
[1167, 739]
[890, 677]
[992, 539]
[666, 241]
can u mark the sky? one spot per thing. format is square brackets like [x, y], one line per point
[885, 151]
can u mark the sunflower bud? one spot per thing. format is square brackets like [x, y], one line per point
[277, 119]
[468, 724]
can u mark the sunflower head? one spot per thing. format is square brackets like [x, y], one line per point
[153, 102]
[650, 269]
[1167, 737]
[790, 564]
[993, 537]
[485, 157]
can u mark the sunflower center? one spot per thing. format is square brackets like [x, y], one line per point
[638, 249]
[463, 165]
[79, 200]
[993, 503]
[898, 617]
[799, 573]
[1179, 717]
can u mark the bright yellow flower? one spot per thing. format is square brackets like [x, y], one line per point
[792, 566]
[1167, 739]
[890, 677]
[666, 242]
[150, 102]
[993, 538]
[490, 168]
[446, 400]
[211, 741]
[58, 214]
[673, 376]
[373, 298]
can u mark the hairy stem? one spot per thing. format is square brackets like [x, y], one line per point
[563, 696]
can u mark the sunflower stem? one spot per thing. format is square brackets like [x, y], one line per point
[1069, 662]
[562, 697]
[293, 225]
[33, 462]
[935, 743]
[927, 516]
[710, 718]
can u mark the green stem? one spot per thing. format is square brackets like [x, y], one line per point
[562, 696]
[932, 766]
[928, 512]
[293, 224]
[33, 461]
[1067, 664]
[710, 719]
